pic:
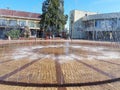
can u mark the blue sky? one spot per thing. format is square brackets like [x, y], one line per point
[101, 6]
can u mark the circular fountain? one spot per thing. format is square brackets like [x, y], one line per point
[59, 63]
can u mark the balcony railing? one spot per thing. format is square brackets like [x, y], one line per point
[102, 29]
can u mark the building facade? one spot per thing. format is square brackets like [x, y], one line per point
[100, 26]
[76, 24]
[11, 19]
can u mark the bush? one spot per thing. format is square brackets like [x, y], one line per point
[14, 34]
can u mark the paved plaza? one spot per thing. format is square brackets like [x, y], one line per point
[59, 65]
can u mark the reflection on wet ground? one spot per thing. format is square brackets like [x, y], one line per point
[63, 49]
[59, 64]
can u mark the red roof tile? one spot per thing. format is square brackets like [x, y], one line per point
[19, 13]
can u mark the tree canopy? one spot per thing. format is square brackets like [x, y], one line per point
[52, 18]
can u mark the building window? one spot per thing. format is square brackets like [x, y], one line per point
[2, 33]
[33, 32]
[3, 22]
[98, 23]
[22, 23]
[12, 22]
[31, 24]
[37, 25]
[89, 24]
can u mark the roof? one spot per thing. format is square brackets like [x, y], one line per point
[6, 12]
[102, 16]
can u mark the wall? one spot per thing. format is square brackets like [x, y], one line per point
[76, 26]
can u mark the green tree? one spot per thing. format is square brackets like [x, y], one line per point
[14, 34]
[52, 18]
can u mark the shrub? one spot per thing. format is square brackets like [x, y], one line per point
[14, 34]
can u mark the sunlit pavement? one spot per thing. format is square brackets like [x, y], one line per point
[59, 65]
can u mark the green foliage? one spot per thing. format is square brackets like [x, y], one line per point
[14, 34]
[52, 19]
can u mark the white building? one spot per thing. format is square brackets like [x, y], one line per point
[76, 25]
[102, 26]
[95, 26]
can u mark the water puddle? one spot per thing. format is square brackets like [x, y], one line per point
[65, 52]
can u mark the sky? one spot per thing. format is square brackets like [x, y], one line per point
[99, 6]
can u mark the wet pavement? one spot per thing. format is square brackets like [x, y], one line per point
[62, 64]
